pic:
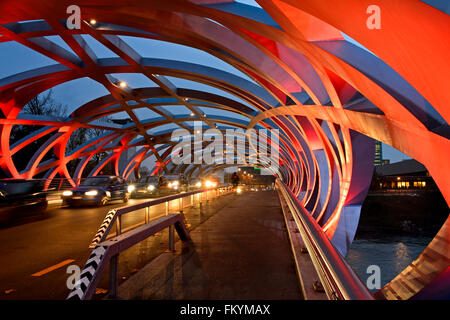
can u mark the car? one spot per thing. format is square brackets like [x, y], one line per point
[196, 183]
[172, 182]
[18, 192]
[211, 182]
[145, 186]
[21, 198]
[98, 190]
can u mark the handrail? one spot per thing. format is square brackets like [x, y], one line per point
[115, 214]
[339, 280]
[108, 253]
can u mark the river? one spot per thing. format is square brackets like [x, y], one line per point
[391, 253]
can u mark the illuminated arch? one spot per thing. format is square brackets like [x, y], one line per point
[297, 73]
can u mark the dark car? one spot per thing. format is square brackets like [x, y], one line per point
[173, 182]
[97, 190]
[145, 186]
[21, 198]
[17, 192]
[196, 183]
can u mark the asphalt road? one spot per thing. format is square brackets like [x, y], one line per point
[37, 247]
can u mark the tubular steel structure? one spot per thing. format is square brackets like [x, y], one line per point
[328, 96]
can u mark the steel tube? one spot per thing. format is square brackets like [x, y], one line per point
[147, 215]
[341, 276]
[171, 238]
[113, 276]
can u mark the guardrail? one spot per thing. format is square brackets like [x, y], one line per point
[338, 279]
[106, 251]
[115, 215]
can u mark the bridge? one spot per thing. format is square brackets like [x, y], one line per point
[298, 89]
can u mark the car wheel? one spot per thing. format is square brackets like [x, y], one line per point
[43, 204]
[125, 198]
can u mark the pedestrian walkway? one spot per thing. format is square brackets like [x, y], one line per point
[242, 252]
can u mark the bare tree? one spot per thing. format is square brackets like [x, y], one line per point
[80, 137]
[43, 104]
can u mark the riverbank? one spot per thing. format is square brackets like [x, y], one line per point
[415, 213]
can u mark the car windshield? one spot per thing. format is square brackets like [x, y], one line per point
[142, 180]
[96, 181]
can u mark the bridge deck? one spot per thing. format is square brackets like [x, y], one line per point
[242, 252]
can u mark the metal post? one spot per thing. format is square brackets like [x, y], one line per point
[119, 225]
[113, 276]
[171, 238]
[147, 215]
[180, 205]
[167, 208]
[192, 200]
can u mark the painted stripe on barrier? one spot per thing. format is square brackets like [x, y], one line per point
[101, 231]
[87, 274]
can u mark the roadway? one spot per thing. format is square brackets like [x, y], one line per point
[36, 250]
[241, 253]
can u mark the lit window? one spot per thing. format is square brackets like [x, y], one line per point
[423, 184]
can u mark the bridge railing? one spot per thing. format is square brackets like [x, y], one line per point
[114, 216]
[107, 251]
[338, 279]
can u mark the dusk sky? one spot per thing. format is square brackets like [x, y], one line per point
[16, 58]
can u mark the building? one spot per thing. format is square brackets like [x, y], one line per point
[378, 154]
[253, 176]
[404, 175]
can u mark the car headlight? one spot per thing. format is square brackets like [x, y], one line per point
[151, 187]
[175, 183]
[170, 185]
[131, 188]
[214, 184]
[67, 193]
[108, 194]
[238, 190]
[198, 184]
[91, 193]
[208, 184]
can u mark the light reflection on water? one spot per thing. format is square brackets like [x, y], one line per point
[391, 254]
